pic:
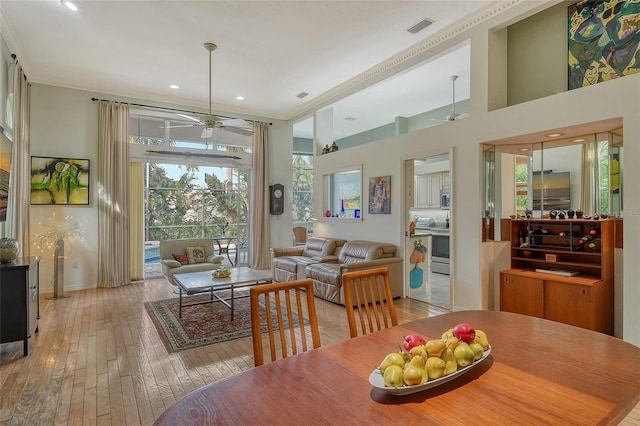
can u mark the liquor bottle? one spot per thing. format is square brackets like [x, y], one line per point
[586, 239]
[595, 244]
[520, 239]
[594, 231]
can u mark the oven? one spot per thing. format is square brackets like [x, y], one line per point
[440, 251]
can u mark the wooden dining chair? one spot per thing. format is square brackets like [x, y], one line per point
[368, 292]
[286, 305]
[300, 235]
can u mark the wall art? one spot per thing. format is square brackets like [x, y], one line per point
[380, 195]
[59, 181]
[604, 36]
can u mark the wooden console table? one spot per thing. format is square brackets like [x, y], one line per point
[19, 300]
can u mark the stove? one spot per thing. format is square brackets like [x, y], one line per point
[439, 252]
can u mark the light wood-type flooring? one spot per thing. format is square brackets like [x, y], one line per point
[97, 359]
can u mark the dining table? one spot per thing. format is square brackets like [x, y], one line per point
[538, 372]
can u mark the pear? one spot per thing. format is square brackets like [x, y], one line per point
[481, 337]
[435, 347]
[477, 349]
[393, 376]
[418, 361]
[413, 375]
[435, 367]
[451, 366]
[393, 358]
[419, 350]
[450, 340]
[464, 355]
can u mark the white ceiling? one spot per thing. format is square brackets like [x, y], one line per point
[268, 52]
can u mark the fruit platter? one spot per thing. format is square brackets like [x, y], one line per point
[422, 365]
[221, 273]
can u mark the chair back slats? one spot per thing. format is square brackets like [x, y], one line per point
[368, 293]
[285, 305]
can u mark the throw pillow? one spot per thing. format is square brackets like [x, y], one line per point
[196, 254]
[181, 257]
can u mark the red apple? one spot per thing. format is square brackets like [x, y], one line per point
[412, 340]
[464, 332]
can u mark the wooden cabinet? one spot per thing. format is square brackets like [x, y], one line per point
[427, 189]
[584, 299]
[19, 300]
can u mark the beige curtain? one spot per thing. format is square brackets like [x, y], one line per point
[136, 214]
[20, 180]
[113, 200]
[590, 179]
[259, 236]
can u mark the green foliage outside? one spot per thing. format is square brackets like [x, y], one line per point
[302, 204]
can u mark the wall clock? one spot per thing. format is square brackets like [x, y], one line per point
[276, 199]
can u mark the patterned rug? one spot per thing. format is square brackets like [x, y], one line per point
[201, 325]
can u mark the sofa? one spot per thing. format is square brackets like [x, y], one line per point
[289, 264]
[355, 255]
[208, 261]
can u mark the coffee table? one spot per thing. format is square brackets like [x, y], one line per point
[200, 282]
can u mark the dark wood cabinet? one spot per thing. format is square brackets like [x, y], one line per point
[19, 300]
[584, 300]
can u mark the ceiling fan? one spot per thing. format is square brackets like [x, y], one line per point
[210, 121]
[453, 116]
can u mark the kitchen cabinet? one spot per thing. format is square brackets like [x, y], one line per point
[585, 299]
[19, 300]
[427, 189]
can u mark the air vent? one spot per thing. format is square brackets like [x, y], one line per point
[420, 26]
[302, 95]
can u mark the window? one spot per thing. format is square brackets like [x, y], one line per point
[603, 164]
[302, 205]
[522, 184]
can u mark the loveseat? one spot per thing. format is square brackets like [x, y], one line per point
[355, 255]
[288, 264]
[175, 258]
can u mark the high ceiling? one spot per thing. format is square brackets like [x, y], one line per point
[268, 52]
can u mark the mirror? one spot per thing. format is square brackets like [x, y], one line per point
[343, 194]
[582, 172]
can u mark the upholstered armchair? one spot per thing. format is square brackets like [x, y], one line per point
[177, 258]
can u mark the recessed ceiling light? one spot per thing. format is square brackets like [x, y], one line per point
[70, 5]
[350, 118]
[524, 149]
[579, 140]
[554, 135]
[302, 95]
[174, 86]
[240, 98]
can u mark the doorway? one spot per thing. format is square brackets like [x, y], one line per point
[429, 197]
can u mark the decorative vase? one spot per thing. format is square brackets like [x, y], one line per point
[9, 248]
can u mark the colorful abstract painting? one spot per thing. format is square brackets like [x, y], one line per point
[603, 41]
[61, 181]
[5, 169]
[380, 195]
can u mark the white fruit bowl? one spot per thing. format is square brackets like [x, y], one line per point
[377, 381]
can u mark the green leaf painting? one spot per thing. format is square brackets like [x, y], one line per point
[59, 181]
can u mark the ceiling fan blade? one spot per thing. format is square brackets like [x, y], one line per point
[193, 154]
[179, 125]
[235, 122]
[188, 117]
[238, 130]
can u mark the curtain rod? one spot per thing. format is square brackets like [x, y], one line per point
[170, 109]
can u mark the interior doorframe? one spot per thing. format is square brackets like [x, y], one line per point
[408, 193]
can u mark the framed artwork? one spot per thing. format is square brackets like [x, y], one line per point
[5, 172]
[380, 195]
[603, 41]
[59, 181]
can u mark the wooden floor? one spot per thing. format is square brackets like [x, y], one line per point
[97, 359]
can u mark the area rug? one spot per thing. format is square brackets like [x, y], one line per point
[201, 325]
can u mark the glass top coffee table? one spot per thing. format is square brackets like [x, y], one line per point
[201, 282]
